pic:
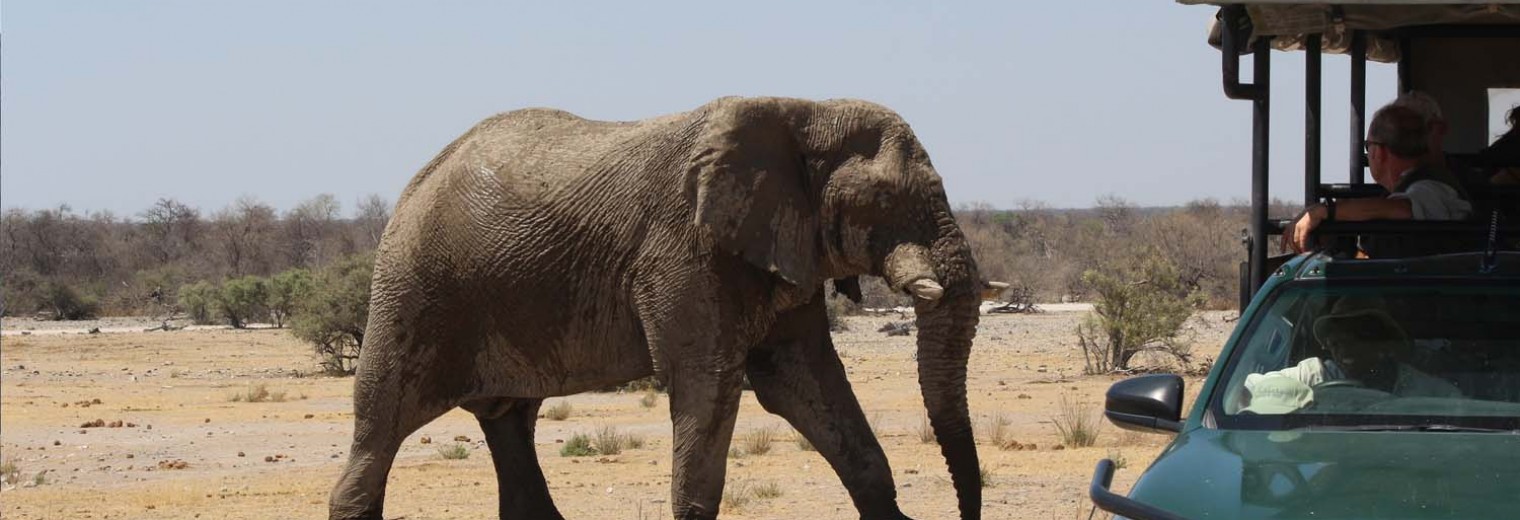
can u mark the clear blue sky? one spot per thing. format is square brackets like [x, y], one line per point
[111, 105]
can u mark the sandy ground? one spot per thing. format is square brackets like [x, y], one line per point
[187, 448]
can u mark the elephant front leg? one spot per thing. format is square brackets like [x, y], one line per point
[702, 410]
[797, 374]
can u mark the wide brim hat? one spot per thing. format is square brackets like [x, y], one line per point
[1362, 316]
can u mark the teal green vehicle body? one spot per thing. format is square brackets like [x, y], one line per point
[1207, 472]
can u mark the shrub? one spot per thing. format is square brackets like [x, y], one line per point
[649, 399]
[333, 317]
[1139, 308]
[985, 474]
[242, 300]
[67, 304]
[736, 495]
[454, 451]
[286, 291]
[559, 412]
[579, 445]
[198, 300]
[838, 307]
[1076, 423]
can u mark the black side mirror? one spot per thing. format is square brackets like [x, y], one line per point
[1146, 403]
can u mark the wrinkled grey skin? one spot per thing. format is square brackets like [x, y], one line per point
[542, 255]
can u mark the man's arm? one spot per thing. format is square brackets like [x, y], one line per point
[1296, 237]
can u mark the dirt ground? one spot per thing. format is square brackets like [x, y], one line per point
[190, 445]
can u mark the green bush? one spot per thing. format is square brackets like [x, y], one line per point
[67, 304]
[199, 301]
[1140, 307]
[242, 300]
[286, 291]
[333, 317]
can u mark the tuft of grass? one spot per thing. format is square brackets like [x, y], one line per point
[40, 479]
[802, 442]
[649, 399]
[873, 421]
[925, 430]
[997, 431]
[768, 491]
[758, 442]
[455, 451]
[736, 495]
[9, 473]
[609, 441]
[736, 452]
[579, 445]
[1076, 423]
[986, 474]
[258, 393]
[559, 412]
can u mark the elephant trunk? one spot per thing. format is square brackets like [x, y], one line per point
[943, 281]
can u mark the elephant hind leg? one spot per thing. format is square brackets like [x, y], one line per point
[386, 410]
[508, 425]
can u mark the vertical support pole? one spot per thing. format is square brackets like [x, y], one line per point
[1311, 119]
[1358, 160]
[1260, 119]
[1406, 82]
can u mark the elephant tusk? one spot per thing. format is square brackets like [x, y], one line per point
[926, 289]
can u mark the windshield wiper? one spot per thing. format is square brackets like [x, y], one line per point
[1408, 428]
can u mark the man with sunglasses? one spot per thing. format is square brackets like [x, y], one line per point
[1397, 146]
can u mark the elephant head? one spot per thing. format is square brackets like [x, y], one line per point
[812, 191]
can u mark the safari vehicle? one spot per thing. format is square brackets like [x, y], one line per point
[1355, 387]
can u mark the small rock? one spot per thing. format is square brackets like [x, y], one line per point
[240, 454]
[425, 440]
[461, 438]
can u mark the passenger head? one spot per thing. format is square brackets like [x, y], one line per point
[1435, 122]
[1361, 337]
[1397, 140]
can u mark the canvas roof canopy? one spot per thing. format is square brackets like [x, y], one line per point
[1289, 22]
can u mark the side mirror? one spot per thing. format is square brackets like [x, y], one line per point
[1146, 403]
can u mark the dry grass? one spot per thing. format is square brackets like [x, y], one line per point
[455, 451]
[986, 474]
[758, 442]
[998, 432]
[650, 399]
[768, 490]
[925, 430]
[258, 393]
[9, 473]
[609, 441]
[1076, 422]
[559, 412]
[802, 442]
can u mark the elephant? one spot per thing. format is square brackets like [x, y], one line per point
[541, 254]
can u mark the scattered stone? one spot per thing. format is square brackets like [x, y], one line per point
[308, 416]
[1025, 396]
[129, 455]
[461, 438]
[1058, 447]
[173, 464]
[268, 458]
[240, 454]
[426, 440]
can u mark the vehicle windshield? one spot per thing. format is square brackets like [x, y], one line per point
[1423, 356]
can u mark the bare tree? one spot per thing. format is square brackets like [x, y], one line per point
[172, 229]
[244, 232]
[372, 214]
[307, 229]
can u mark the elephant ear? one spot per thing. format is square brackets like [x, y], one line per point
[753, 190]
